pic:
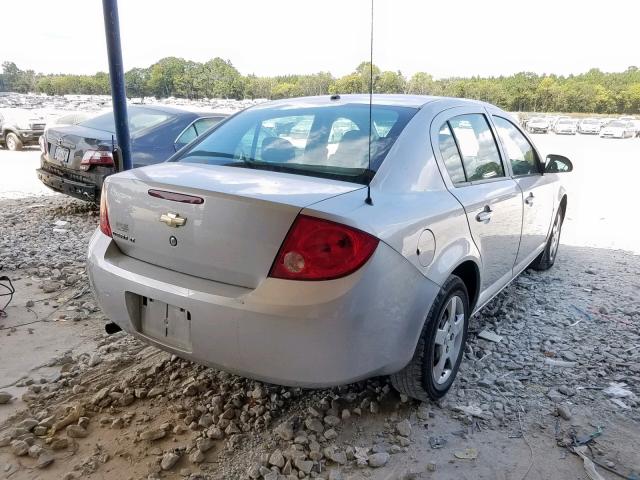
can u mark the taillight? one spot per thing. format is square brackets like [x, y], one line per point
[104, 214]
[96, 157]
[317, 249]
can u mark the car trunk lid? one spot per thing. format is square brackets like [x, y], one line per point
[66, 145]
[231, 236]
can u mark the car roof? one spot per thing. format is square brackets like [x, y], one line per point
[176, 111]
[399, 100]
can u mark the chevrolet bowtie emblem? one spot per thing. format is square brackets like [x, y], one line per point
[173, 219]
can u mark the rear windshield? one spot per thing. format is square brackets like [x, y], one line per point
[591, 121]
[139, 119]
[616, 124]
[330, 141]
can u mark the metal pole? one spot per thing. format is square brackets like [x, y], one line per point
[116, 75]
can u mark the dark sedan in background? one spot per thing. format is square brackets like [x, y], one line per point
[76, 159]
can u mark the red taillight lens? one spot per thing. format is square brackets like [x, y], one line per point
[317, 249]
[104, 214]
[96, 157]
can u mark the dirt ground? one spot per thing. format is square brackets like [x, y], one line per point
[568, 334]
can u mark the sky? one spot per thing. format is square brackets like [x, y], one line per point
[276, 37]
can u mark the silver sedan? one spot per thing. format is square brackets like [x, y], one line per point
[299, 243]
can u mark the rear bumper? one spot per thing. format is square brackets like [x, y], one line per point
[83, 191]
[310, 334]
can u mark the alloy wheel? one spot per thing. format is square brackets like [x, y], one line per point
[555, 238]
[448, 340]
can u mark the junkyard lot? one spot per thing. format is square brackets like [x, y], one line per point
[601, 214]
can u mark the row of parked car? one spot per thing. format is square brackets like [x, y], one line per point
[623, 127]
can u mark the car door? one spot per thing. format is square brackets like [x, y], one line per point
[473, 170]
[537, 189]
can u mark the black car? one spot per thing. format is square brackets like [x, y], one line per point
[76, 158]
[19, 129]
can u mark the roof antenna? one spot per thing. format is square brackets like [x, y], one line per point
[369, 200]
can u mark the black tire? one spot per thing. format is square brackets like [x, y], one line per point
[547, 258]
[13, 142]
[416, 380]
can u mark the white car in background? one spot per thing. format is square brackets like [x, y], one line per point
[605, 121]
[634, 122]
[538, 125]
[618, 129]
[589, 126]
[566, 126]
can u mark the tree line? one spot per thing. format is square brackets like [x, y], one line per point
[591, 92]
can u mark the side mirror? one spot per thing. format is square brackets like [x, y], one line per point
[557, 164]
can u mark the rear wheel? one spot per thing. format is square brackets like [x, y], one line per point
[436, 360]
[548, 256]
[13, 142]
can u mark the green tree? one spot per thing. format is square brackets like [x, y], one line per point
[163, 76]
[218, 78]
[421, 83]
[351, 83]
[286, 90]
[390, 82]
[316, 84]
[136, 82]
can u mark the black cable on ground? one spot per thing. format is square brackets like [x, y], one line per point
[10, 290]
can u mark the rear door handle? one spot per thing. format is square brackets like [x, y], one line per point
[529, 199]
[484, 215]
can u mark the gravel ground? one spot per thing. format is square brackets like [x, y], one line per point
[566, 365]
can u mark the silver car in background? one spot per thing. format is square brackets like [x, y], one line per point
[618, 129]
[589, 126]
[538, 125]
[258, 248]
[566, 126]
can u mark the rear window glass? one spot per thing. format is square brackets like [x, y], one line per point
[139, 119]
[330, 141]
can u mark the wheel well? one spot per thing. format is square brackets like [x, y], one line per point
[470, 274]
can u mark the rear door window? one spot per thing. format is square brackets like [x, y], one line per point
[450, 155]
[188, 135]
[521, 154]
[204, 124]
[478, 148]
